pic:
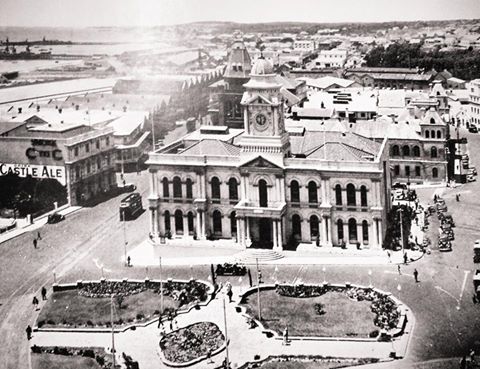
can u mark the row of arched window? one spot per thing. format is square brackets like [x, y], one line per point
[216, 222]
[312, 192]
[214, 187]
[415, 152]
[431, 134]
[351, 195]
[315, 226]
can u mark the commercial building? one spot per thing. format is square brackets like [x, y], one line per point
[264, 186]
[407, 78]
[78, 156]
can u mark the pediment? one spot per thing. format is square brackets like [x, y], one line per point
[256, 99]
[260, 162]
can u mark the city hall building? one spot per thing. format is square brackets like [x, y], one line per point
[264, 186]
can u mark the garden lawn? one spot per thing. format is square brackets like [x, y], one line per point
[314, 363]
[68, 307]
[343, 317]
[52, 361]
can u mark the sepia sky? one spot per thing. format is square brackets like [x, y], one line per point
[83, 13]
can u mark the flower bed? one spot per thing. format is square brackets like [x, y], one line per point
[96, 353]
[184, 292]
[192, 342]
[385, 309]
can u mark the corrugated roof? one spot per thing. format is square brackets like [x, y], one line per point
[212, 147]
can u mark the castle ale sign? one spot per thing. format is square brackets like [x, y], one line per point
[35, 171]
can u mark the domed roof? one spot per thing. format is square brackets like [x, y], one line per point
[261, 67]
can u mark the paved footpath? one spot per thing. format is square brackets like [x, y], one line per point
[142, 344]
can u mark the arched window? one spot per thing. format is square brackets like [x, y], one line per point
[312, 192]
[215, 188]
[365, 231]
[433, 152]
[363, 196]
[314, 227]
[432, 133]
[439, 134]
[233, 224]
[189, 186]
[263, 193]
[338, 194]
[406, 150]
[296, 226]
[352, 230]
[351, 198]
[233, 189]
[166, 192]
[395, 150]
[416, 151]
[191, 228]
[427, 134]
[432, 121]
[177, 187]
[217, 223]
[434, 172]
[178, 222]
[294, 191]
[166, 218]
[340, 230]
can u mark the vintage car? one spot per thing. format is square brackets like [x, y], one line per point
[55, 218]
[476, 251]
[476, 283]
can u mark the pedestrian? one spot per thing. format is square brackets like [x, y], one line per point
[160, 322]
[129, 261]
[457, 197]
[405, 258]
[398, 268]
[29, 332]
[415, 275]
[34, 243]
[38, 236]
[463, 362]
[171, 324]
[44, 293]
[285, 336]
[259, 277]
[389, 255]
[209, 357]
[35, 302]
[416, 240]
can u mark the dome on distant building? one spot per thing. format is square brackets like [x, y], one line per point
[262, 67]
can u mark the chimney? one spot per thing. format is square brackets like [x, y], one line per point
[60, 110]
[38, 107]
[77, 107]
[19, 110]
[124, 109]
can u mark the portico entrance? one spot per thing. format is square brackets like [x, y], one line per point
[261, 233]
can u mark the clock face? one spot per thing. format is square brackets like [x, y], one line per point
[261, 120]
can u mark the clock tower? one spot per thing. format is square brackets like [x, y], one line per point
[263, 113]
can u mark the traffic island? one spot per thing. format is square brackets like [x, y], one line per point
[192, 344]
[325, 312]
[87, 305]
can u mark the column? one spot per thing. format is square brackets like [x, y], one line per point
[153, 214]
[198, 225]
[278, 191]
[274, 234]
[323, 231]
[282, 189]
[279, 234]
[375, 232]
[247, 226]
[360, 233]
[203, 216]
[346, 237]
[241, 232]
[243, 194]
[238, 230]
[329, 231]
[306, 237]
[380, 234]
[185, 225]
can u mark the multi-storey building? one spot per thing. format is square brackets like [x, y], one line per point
[78, 156]
[263, 186]
[474, 88]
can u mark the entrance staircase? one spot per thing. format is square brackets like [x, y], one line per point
[250, 256]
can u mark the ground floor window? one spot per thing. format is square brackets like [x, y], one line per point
[296, 226]
[365, 231]
[166, 218]
[340, 230]
[217, 223]
[314, 227]
[178, 222]
[191, 228]
[233, 223]
[352, 231]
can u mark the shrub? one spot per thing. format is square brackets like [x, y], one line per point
[51, 322]
[156, 312]
[88, 353]
[320, 309]
[35, 349]
[89, 323]
[100, 360]
[374, 334]
[256, 357]
[140, 316]
[41, 323]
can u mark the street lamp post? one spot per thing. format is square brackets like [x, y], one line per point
[401, 229]
[324, 270]
[161, 288]
[259, 305]
[124, 238]
[370, 278]
[226, 335]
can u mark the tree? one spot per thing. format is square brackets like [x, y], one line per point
[119, 301]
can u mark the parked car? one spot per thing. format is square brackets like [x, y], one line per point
[444, 245]
[476, 251]
[55, 218]
[473, 129]
[442, 208]
[471, 178]
[472, 170]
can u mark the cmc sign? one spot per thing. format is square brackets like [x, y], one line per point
[35, 171]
